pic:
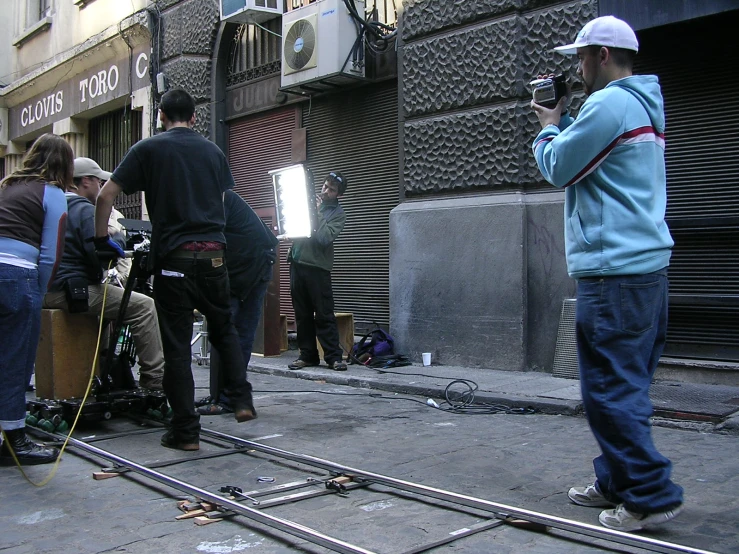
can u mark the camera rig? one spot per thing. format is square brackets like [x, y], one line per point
[114, 390]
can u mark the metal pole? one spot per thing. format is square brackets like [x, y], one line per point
[287, 526]
[472, 502]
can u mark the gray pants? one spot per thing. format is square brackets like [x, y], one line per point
[140, 315]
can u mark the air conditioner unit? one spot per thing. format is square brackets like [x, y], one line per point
[319, 47]
[250, 11]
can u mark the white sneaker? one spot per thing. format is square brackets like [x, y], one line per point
[589, 496]
[621, 519]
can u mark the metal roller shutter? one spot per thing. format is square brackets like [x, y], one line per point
[256, 145]
[357, 133]
[699, 86]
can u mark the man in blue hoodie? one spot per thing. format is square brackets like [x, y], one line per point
[611, 163]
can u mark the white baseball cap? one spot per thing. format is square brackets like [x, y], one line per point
[84, 167]
[603, 31]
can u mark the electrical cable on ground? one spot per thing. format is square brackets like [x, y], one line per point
[455, 402]
[453, 408]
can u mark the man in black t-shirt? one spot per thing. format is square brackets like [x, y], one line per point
[184, 177]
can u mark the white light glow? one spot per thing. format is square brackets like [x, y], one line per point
[293, 202]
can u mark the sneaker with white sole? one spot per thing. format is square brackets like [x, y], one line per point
[622, 519]
[589, 496]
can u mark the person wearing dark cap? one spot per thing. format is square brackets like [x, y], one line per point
[80, 264]
[311, 260]
[184, 177]
[611, 161]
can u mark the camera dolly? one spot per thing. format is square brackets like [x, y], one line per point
[114, 391]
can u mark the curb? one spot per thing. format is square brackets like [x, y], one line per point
[549, 406]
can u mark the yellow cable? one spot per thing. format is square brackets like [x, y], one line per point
[79, 411]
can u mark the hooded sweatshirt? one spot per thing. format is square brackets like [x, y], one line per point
[611, 161]
[80, 258]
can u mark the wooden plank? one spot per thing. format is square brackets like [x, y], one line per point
[100, 475]
[191, 514]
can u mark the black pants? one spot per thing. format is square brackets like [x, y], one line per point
[313, 302]
[180, 286]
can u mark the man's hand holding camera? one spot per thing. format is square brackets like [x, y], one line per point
[549, 116]
[552, 89]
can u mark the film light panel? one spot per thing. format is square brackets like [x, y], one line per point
[294, 201]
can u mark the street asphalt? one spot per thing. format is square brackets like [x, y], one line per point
[522, 442]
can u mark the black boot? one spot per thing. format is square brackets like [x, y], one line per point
[28, 453]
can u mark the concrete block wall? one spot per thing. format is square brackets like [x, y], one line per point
[188, 34]
[466, 132]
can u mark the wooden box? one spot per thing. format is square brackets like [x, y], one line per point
[283, 333]
[65, 353]
[345, 323]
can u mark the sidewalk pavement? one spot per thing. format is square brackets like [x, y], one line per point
[708, 408]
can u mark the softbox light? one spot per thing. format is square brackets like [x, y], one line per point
[295, 200]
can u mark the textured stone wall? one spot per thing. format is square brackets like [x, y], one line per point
[465, 68]
[478, 279]
[188, 34]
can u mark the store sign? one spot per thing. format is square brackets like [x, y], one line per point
[87, 90]
[253, 97]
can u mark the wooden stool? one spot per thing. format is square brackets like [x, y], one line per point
[345, 323]
[65, 353]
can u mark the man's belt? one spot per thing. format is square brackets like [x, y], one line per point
[195, 254]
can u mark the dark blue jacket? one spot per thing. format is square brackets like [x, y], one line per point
[251, 248]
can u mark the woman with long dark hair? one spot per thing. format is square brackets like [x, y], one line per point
[33, 213]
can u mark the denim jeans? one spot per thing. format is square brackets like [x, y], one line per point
[246, 314]
[621, 325]
[181, 286]
[313, 302]
[20, 326]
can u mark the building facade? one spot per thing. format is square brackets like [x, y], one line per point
[453, 239]
[80, 69]
[234, 71]
[478, 273]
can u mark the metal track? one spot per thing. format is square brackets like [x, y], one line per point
[501, 510]
[285, 525]
[337, 545]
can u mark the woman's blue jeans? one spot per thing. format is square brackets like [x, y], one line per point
[20, 326]
[621, 324]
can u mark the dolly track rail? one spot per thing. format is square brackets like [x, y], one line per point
[337, 545]
[498, 509]
[285, 525]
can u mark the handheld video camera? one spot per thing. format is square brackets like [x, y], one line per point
[548, 91]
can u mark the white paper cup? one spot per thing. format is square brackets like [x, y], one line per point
[426, 358]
